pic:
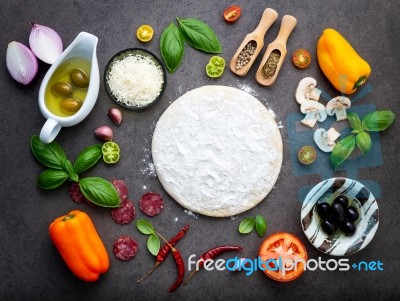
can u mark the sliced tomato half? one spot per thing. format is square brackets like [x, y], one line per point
[284, 256]
[232, 13]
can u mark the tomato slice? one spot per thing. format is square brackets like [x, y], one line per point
[215, 66]
[280, 251]
[301, 58]
[307, 154]
[110, 152]
[232, 13]
[145, 33]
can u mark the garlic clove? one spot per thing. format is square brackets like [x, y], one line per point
[21, 63]
[45, 43]
[115, 115]
[104, 133]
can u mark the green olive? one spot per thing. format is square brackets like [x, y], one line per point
[70, 105]
[79, 78]
[62, 89]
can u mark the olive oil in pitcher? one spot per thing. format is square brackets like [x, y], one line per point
[67, 89]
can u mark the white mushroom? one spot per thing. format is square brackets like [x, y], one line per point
[314, 111]
[306, 90]
[325, 140]
[338, 106]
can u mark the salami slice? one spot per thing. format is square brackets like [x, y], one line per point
[125, 248]
[125, 213]
[76, 194]
[151, 203]
[121, 189]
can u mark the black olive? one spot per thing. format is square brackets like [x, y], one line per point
[348, 228]
[337, 209]
[328, 226]
[341, 199]
[324, 210]
[351, 214]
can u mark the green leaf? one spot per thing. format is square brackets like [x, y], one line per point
[342, 150]
[100, 192]
[172, 47]
[378, 120]
[246, 225]
[199, 35]
[87, 158]
[153, 244]
[67, 166]
[261, 225]
[355, 121]
[51, 178]
[51, 155]
[363, 141]
[145, 227]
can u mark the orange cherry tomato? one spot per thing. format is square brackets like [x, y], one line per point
[232, 13]
[285, 256]
[301, 58]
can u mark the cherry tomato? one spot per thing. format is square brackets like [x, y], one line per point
[283, 248]
[301, 58]
[307, 155]
[145, 33]
[232, 13]
[215, 66]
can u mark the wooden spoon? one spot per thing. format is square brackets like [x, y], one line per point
[279, 44]
[268, 18]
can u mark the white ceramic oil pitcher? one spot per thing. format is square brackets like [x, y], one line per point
[84, 45]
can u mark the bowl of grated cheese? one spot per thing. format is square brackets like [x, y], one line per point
[135, 78]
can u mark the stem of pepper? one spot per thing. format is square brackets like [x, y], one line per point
[151, 271]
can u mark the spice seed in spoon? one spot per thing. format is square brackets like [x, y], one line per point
[271, 64]
[246, 54]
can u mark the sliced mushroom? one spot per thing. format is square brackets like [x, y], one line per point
[338, 106]
[325, 140]
[306, 90]
[314, 111]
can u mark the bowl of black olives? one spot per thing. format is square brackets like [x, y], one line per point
[340, 216]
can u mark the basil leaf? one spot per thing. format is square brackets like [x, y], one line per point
[261, 225]
[145, 227]
[199, 35]
[153, 244]
[87, 158]
[355, 121]
[378, 120]
[246, 225]
[51, 178]
[342, 150]
[363, 141]
[99, 191]
[51, 155]
[172, 47]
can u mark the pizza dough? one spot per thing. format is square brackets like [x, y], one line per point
[217, 151]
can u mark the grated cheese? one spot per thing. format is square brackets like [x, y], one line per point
[136, 80]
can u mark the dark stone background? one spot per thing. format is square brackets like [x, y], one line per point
[30, 267]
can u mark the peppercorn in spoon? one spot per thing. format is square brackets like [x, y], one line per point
[252, 44]
[275, 53]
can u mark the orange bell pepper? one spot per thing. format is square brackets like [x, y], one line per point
[340, 63]
[79, 244]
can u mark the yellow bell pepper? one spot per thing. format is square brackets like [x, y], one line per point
[340, 63]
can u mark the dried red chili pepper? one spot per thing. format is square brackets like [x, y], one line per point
[181, 270]
[211, 254]
[164, 251]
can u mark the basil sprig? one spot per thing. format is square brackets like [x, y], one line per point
[372, 122]
[97, 190]
[195, 33]
[153, 241]
[249, 223]
[199, 35]
[172, 47]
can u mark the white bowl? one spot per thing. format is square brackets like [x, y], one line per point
[359, 197]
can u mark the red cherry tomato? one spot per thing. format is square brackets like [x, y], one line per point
[301, 58]
[232, 13]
